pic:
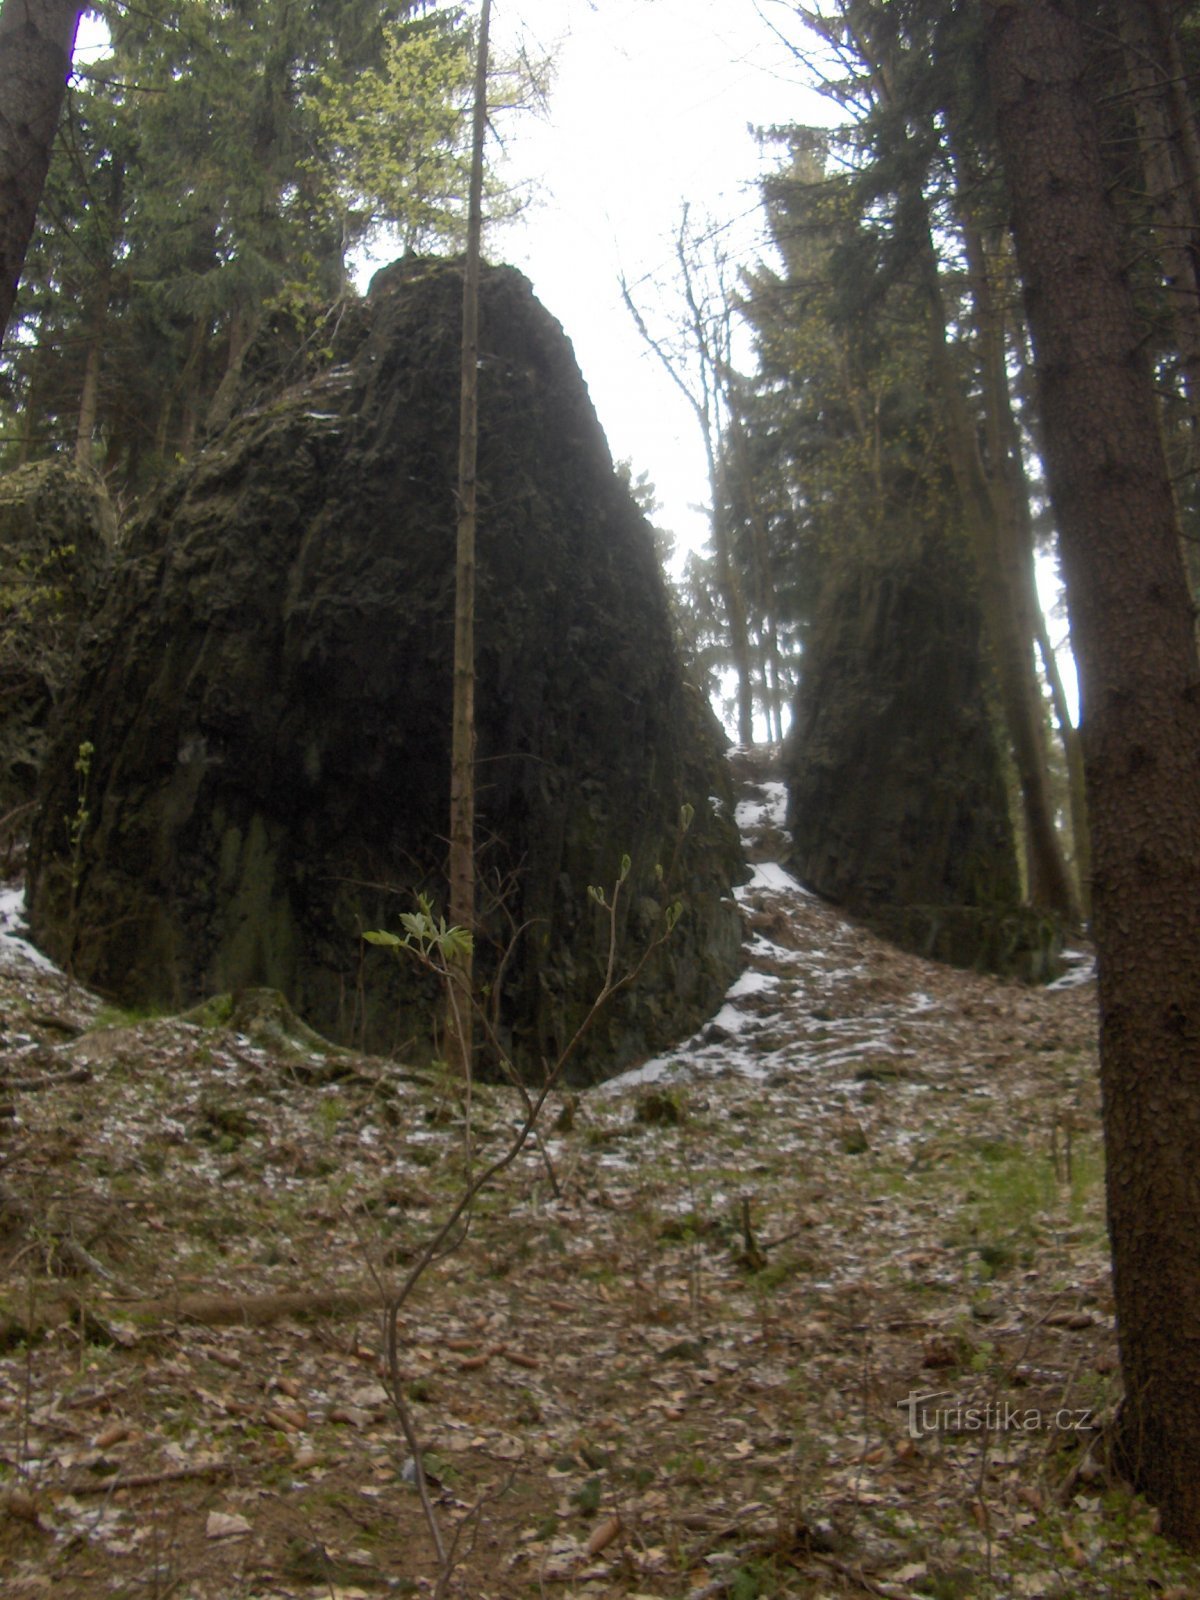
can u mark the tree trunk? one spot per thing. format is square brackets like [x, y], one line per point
[244, 324]
[459, 1028]
[1010, 496]
[1166, 132]
[764, 588]
[1073, 755]
[96, 323]
[989, 516]
[1009, 627]
[733, 597]
[1132, 630]
[37, 38]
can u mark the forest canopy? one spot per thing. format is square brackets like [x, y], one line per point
[215, 172]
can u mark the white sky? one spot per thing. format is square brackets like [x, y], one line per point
[651, 106]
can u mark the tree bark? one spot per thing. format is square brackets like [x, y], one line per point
[37, 38]
[1166, 133]
[1132, 630]
[1007, 615]
[459, 1029]
[244, 323]
[96, 323]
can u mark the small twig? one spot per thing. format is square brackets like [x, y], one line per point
[147, 1480]
[50, 1081]
[1015, 1364]
[472, 1520]
[889, 1591]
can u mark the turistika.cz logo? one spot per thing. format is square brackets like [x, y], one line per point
[927, 1413]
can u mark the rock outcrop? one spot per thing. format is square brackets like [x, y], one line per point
[897, 799]
[56, 534]
[266, 688]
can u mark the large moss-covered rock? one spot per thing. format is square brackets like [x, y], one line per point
[897, 800]
[267, 690]
[56, 533]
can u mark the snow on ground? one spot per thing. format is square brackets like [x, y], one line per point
[15, 949]
[767, 808]
[819, 994]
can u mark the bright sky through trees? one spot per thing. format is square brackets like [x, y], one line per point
[651, 104]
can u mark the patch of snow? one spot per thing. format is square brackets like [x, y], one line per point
[13, 947]
[657, 1070]
[752, 982]
[769, 810]
[775, 799]
[770, 875]
[730, 1020]
[1081, 968]
[747, 814]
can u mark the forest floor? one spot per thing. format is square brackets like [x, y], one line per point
[821, 1307]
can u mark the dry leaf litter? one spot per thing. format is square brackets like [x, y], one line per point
[821, 1306]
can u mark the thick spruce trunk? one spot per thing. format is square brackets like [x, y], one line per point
[1133, 635]
[37, 38]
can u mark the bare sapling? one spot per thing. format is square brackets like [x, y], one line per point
[438, 946]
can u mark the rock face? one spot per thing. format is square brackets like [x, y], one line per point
[897, 801]
[56, 534]
[267, 690]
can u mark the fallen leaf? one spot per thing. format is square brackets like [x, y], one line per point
[352, 1415]
[226, 1525]
[111, 1435]
[285, 1419]
[602, 1536]
[519, 1358]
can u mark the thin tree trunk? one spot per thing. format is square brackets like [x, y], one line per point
[39, 381]
[704, 399]
[96, 323]
[1068, 734]
[1134, 640]
[1010, 497]
[186, 389]
[462, 755]
[729, 581]
[1187, 127]
[1010, 632]
[764, 589]
[243, 326]
[37, 38]
[89, 398]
